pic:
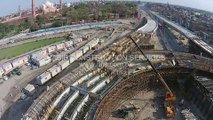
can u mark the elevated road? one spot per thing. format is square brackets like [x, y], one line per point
[190, 35]
[150, 27]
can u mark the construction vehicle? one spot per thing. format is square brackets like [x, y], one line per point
[169, 110]
[170, 97]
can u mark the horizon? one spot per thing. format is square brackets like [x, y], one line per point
[25, 6]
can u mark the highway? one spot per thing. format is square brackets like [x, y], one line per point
[190, 35]
[150, 27]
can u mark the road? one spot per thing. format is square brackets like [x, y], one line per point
[190, 35]
[170, 41]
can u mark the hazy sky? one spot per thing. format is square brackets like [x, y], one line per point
[9, 6]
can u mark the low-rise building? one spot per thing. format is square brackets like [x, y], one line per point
[1, 71]
[41, 60]
[68, 44]
[60, 46]
[39, 53]
[17, 62]
[7, 67]
[25, 58]
[51, 49]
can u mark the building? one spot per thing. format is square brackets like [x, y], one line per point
[41, 60]
[7, 67]
[48, 7]
[1, 71]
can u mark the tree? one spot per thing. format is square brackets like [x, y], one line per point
[57, 24]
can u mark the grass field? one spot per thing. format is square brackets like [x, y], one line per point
[6, 53]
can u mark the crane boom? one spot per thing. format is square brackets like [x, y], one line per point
[155, 70]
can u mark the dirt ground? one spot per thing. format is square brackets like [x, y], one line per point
[150, 106]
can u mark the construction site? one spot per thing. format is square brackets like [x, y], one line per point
[141, 68]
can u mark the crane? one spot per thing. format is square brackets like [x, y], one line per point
[170, 97]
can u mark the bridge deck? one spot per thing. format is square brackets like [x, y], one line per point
[186, 33]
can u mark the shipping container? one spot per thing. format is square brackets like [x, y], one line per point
[43, 78]
[29, 89]
[17, 62]
[7, 67]
[1, 71]
[64, 64]
[54, 70]
[41, 60]
[60, 46]
[51, 49]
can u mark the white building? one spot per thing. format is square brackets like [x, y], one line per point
[17, 62]
[68, 43]
[47, 7]
[51, 49]
[41, 60]
[1, 71]
[60, 46]
[7, 67]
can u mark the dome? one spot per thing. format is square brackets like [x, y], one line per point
[48, 3]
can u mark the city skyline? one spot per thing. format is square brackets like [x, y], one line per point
[8, 8]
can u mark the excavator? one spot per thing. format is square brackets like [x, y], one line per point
[170, 96]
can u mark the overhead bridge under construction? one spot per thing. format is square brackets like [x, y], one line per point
[190, 35]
